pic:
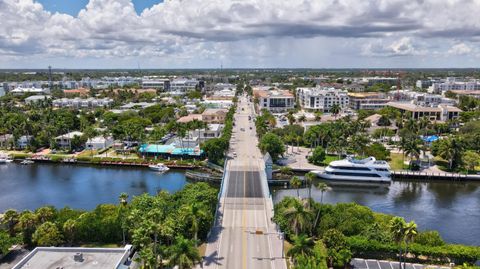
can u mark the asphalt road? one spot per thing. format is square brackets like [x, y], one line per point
[244, 235]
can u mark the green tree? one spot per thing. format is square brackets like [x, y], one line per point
[410, 232]
[69, 230]
[45, 213]
[322, 187]
[429, 238]
[298, 216]
[215, 148]
[451, 149]
[302, 246]
[5, 242]
[471, 159]
[377, 150]
[193, 215]
[384, 121]
[397, 229]
[10, 219]
[296, 183]
[183, 253]
[47, 234]
[337, 248]
[123, 200]
[309, 178]
[335, 109]
[318, 156]
[27, 223]
[272, 144]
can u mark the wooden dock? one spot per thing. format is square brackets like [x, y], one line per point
[399, 175]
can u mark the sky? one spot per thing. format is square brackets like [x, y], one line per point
[239, 33]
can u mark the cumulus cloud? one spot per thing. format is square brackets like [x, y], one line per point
[213, 28]
[460, 49]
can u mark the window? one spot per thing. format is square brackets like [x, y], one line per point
[353, 174]
[351, 168]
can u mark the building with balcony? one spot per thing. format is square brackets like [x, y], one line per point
[274, 100]
[322, 99]
[367, 100]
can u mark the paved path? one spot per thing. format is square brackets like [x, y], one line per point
[244, 235]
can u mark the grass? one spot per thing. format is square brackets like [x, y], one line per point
[396, 161]
[87, 153]
[330, 158]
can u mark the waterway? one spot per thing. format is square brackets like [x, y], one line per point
[77, 186]
[453, 209]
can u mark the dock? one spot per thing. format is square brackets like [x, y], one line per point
[399, 175]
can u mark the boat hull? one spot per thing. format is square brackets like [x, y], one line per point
[351, 179]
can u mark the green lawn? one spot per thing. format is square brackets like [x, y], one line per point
[329, 158]
[396, 161]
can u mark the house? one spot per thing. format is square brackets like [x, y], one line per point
[23, 141]
[273, 99]
[322, 98]
[212, 131]
[65, 141]
[211, 115]
[79, 92]
[99, 143]
[22, 91]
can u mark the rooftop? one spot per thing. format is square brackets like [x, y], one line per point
[273, 92]
[62, 257]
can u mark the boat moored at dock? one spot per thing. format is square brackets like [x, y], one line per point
[353, 170]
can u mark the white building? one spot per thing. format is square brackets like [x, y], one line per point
[274, 100]
[2, 91]
[36, 99]
[156, 83]
[451, 84]
[23, 141]
[212, 131]
[82, 103]
[322, 99]
[182, 86]
[65, 141]
[22, 91]
[99, 142]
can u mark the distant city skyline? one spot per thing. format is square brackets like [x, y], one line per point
[239, 34]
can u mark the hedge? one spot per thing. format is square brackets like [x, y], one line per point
[459, 254]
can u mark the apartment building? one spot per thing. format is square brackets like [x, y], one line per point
[182, 86]
[158, 83]
[453, 84]
[322, 99]
[79, 103]
[273, 99]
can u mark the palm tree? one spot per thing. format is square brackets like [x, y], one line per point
[192, 215]
[412, 149]
[335, 109]
[123, 200]
[298, 216]
[69, 228]
[397, 229]
[302, 245]
[410, 232]
[27, 223]
[451, 149]
[309, 178]
[183, 253]
[323, 187]
[296, 183]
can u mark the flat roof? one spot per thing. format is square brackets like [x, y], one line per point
[62, 257]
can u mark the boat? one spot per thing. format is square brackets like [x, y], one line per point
[5, 159]
[159, 167]
[354, 170]
[25, 162]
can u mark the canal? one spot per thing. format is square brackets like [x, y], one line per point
[77, 186]
[451, 208]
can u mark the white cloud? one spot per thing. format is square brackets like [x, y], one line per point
[248, 30]
[460, 49]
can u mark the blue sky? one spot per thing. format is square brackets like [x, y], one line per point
[72, 7]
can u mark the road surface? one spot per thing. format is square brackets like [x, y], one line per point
[244, 235]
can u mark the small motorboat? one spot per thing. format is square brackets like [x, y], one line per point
[26, 162]
[159, 167]
[5, 159]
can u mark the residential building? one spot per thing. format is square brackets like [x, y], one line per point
[212, 131]
[76, 257]
[211, 115]
[23, 141]
[273, 99]
[322, 99]
[441, 112]
[79, 92]
[2, 91]
[65, 141]
[209, 103]
[370, 81]
[79, 103]
[36, 99]
[471, 93]
[451, 84]
[189, 118]
[367, 100]
[183, 85]
[426, 83]
[158, 83]
[354, 87]
[99, 143]
[420, 98]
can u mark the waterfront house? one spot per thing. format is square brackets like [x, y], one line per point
[99, 143]
[23, 141]
[65, 141]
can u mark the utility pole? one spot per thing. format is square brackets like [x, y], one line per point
[50, 82]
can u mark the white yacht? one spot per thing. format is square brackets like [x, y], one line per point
[353, 170]
[159, 167]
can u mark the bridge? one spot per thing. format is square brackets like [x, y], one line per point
[243, 235]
